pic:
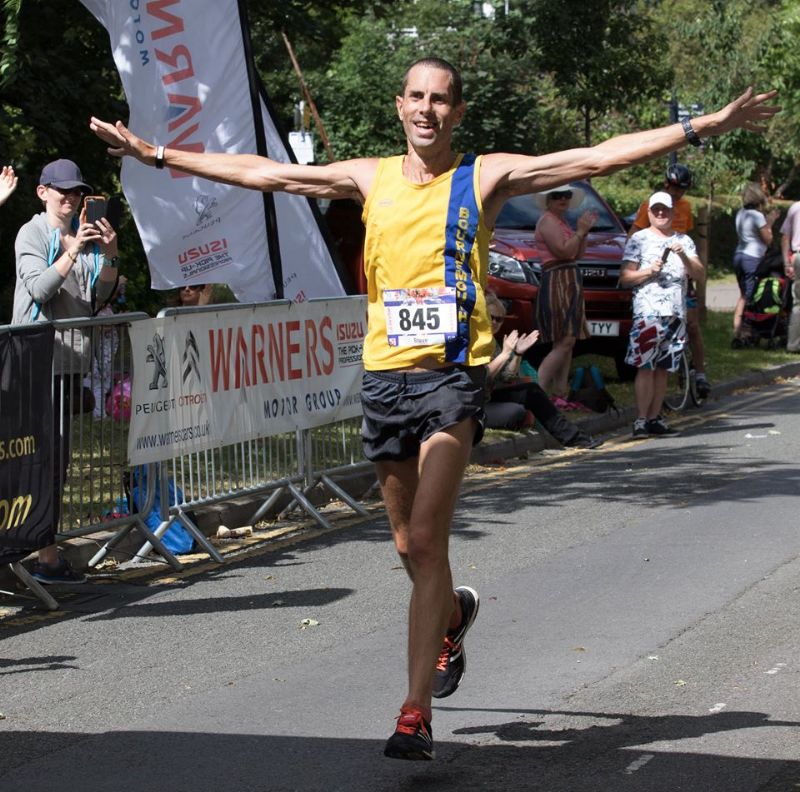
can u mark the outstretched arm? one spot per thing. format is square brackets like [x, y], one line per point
[504, 175]
[346, 179]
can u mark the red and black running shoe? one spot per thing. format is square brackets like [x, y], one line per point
[412, 739]
[452, 663]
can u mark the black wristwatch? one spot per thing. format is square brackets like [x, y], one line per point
[691, 135]
[159, 157]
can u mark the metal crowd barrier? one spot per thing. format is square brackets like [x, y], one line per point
[95, 493]
[273, 467]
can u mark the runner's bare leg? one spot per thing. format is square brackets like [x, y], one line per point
[420, 496]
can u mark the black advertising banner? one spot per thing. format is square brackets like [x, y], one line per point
[26, 427]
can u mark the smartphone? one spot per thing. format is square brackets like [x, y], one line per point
[95, 207]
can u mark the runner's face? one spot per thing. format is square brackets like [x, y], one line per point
[426, 108]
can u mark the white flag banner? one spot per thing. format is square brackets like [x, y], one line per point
[204, 380]
[183, 69]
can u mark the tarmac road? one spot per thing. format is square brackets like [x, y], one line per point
[639, 627]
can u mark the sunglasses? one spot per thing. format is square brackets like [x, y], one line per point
[196, 287]
[561, 195]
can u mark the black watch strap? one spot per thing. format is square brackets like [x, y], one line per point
[691, 135]
[160, 157]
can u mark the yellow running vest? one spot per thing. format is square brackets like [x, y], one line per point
[418, 236]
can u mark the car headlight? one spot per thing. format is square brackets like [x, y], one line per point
[506, 267]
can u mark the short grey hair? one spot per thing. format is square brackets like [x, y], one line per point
[456, 85]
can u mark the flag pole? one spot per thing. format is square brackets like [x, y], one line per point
[307, 94]
[273, 245]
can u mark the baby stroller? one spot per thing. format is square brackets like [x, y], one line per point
[766, 314]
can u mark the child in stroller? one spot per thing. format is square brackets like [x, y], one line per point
[766, 314]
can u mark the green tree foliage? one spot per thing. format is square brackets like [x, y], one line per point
[715, 51]
[730, 39]
[511, 105]
[782, 69]
[600, 54]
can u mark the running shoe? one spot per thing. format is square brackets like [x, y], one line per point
[452, 661]
[658, 426]
[412, 738]
[640, 428]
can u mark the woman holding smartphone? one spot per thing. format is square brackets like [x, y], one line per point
[64, 265]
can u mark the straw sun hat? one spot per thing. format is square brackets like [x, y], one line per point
[540, 198]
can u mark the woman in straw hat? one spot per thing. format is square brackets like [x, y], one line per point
[560, 312]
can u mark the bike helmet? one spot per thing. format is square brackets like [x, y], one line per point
[679, 176]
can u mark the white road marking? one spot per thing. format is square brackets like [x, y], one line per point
[777, 668]
[638, 764]
[717, 708]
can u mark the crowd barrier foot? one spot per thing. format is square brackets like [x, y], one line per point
[154, 540]
[343, 496]
[35, 587]
[300, 500]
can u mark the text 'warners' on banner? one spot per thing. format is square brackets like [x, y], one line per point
[211, 379]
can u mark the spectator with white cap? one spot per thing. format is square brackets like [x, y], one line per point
[657, 263]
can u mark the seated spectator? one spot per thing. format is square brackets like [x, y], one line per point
[513, 401]
[196, 294]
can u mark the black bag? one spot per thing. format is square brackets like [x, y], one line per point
[589, 389]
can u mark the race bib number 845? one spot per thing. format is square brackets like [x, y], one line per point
[420, 317]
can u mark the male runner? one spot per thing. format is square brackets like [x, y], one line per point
[429, 215]
[678, 180]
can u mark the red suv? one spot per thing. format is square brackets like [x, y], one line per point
[515, 267]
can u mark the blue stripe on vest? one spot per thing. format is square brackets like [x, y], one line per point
[460, 232]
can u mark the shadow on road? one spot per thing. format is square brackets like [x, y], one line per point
[610, 753]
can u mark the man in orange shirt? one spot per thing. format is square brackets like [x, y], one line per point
[677, 181]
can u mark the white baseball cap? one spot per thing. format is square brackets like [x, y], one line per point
[663, 198]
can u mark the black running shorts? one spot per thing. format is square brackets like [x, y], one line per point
[403, 409]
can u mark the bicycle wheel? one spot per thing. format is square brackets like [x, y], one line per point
[678, 386]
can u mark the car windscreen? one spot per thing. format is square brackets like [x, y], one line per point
[522, 212]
